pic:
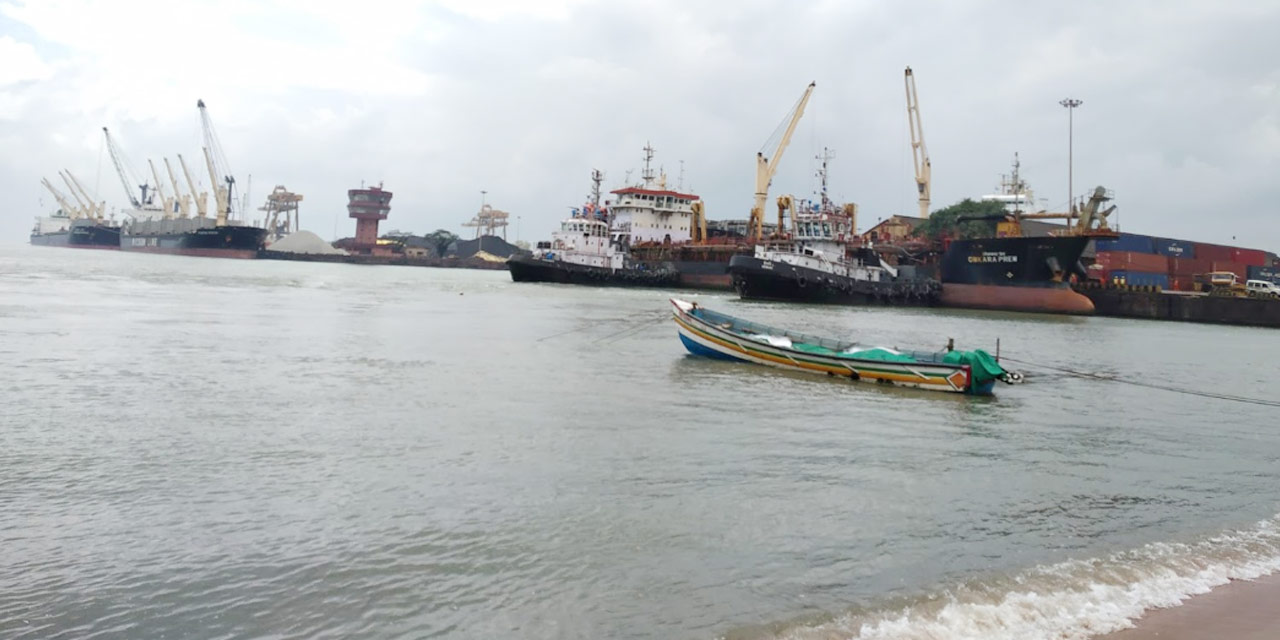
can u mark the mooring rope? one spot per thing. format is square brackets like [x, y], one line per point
[1149, 385]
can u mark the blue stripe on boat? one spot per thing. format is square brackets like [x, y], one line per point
[699, 350]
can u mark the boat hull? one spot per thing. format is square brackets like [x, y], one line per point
[1015, 274]
[1061, 299]
[760, 279]
[80, 236]
[699, 266]
[528, 268]
[704, 339]
[227, 241]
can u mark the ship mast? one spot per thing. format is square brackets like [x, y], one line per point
[647, 175]
[825, 157]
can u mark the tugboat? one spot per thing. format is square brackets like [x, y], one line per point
[584, 251]
[819, 264]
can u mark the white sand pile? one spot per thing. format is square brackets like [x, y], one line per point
[304, 242]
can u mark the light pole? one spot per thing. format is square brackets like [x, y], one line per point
[1070, 104]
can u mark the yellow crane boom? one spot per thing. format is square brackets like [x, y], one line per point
[95, 210]
[184, 200]
[67, 208]
[766, 167]
[919, 153]
[202, 197]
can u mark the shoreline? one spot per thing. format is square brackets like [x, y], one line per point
[1240, 610]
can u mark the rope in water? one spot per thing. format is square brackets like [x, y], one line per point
[1149, 385]
[632, 325]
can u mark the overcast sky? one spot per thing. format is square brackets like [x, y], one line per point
[1181, 113]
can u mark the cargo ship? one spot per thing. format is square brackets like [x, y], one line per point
[1016, 272]
[163, 224]
[60, 230]
[79, 223]
[590, 247]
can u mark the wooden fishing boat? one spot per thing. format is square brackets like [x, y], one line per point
[717, 335]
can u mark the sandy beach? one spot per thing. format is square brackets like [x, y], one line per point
[1239, 610]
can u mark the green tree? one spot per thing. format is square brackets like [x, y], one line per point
[980, 220]
[440, 240]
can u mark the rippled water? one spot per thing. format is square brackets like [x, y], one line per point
[225, 449]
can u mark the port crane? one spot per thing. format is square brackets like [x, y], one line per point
[224, 186]
[127, 177]
[919, 152]
[766, 167]
[281, 201]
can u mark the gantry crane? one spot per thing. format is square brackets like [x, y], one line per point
[919, 153]
[766, 167]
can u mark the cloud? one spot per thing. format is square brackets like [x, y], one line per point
[442, 100]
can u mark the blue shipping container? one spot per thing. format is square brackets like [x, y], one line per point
[1128, 242]
[1264, 273]
[1140, 279]
[1174, 248]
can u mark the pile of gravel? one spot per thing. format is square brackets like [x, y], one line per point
[304, 242]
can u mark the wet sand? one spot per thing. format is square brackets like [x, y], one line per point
[1239, 610]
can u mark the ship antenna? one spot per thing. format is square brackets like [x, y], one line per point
[1017, 185]
[596, 178]
[647, 176]
[680, 181]
[827, 155]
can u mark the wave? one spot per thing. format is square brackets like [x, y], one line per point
[1071, 600]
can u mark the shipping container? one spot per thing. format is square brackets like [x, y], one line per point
[1215, 252]
[1133, 261]
[1249, 257]
[1271, 259]
[1263, 273]
[1140, 279]
[1174, 248]
[1240, 270]
[1127, 242]
[1182, 283]
[1189, 266]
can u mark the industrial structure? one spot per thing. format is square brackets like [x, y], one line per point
[919, 153]
[767, 166]
[280, 213]
[368, 207]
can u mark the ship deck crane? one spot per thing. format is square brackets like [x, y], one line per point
[223, 183]
[919, 152]
[766, 167]
[100, 209]
[165, 201]
[183, 200]
[127, 176]
[86, 206]
[71, 210]
[201, 198]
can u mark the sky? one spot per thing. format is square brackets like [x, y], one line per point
[439, 101]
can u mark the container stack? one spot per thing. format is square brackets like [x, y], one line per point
[1138, 260]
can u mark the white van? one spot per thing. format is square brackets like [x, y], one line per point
[1262, 289]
